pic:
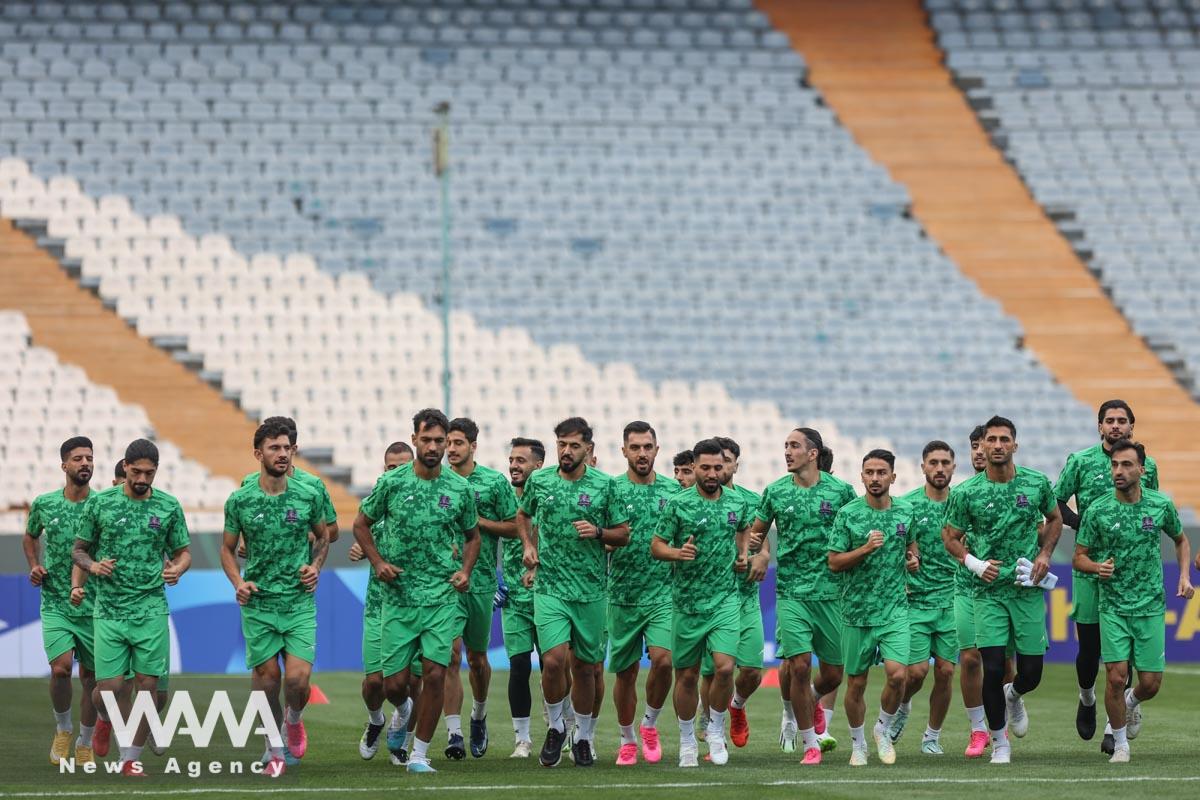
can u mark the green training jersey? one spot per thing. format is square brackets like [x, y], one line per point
[571, 568]
[748, 589]
[135, 534]
[1130, 534]
[931, 586]
[875, 591]
[702, 585]
[495, 501]
[329, 515]
[635, 577]
[1001, 522]
[424, 522]
[58, 518]
[275, 529]
[803, 518]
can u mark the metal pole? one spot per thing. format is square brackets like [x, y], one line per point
[442, 167]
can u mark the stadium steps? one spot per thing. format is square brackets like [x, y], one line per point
[183, 408]
[876, 64]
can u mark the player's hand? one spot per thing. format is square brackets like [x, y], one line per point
[741, 564]
[461, 581]
[586, 529]
[244, 590]
[77, 595]
[528, 578]
[309, 575]
[103, 568]
[356, 552]
[758, 567]
[241, 548]
[530, 559]
[37, 575]
[1041, 565]
[874, 541]
[171, 573]
[992, 572]
[1106, 569]
[688, 551]
[756, 540]
[387, 572]
[911, 562]
[1185, 588]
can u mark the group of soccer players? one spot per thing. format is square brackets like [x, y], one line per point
[631, 566]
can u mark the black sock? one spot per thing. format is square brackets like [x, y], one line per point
[993, 687]
[519, 698]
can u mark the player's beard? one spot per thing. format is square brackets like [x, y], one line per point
[642, 468]
[431, 459]
[710, 485]
[139, 489]
[81, 478]
[877, 491]
[939, 482]
[277, 471]
[567, 465]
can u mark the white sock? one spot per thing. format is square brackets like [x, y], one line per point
[85, 734]
[1088, 696]
[828, 718]
[1107, 728]
[809, 737]
[420, 751]
[738, 701]
[581, 724]
[521, 728]
[1000, 737]
[627, 735]
[478, 710]
[716, 724]
[687, 732]
[789, 713]
[454, 724]
[931, 734]
[885, 719]
[650, 718]
[292, 715]
[409, 738]
[590, 729]
[1120, 739]
[857, 738]
[906, 707]
[1131, 701]
[63, 720]
[568, 707]
[555, 711]
[977, 717]
[375, 716]
[132, 753]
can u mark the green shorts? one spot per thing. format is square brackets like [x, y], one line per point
[373, 648]
[750, 639]
[61, 633]
[475, 621]
[809, 626]
[633, 630]
[269, 633]
[1018, 617]
[140, 646]
[1142, 637]
[574, 623]
[519, 631]
[410, 633]
[717, 631]
[964, 621]
[932, 631]
[864, 645]
[1085, 599]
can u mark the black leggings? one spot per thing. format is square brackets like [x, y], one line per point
[1029, 675]
[519, 699]
[1087, 662]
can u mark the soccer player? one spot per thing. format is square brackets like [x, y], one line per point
[119, 473]
[275, 516]
[516, 615]
[685, 474]
[576, 512]
[1118, 542]
[639, 597]
[803, 505]
[1087, 476]
[497, 507]
[873, 543]
[119, 541]
[66, 621]
[992, 520]
[704, 531]
[430, 518]
[749, 657]
[329, 513]
[930, 598]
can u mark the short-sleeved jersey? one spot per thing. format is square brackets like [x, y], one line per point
[875, 590]
[1000, 521]
[423, 525]
[136, 534]
[931, 586]
[571, 568]
[495, 501]
[1130, 534]
[636, 578]
[803, 518]
[275, 529]
[747, 588]
[329, 514]
[58, 518]
[703, 584]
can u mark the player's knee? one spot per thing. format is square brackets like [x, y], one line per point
[456, 653]
[60, 669]
[477, 662]
[1148, 685]
[943, 671]
[434, 673]
[373, 683]
[660, 662]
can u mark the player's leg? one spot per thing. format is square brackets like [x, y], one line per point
[1117, 673]
[707, 670]
[372, 687]
[722, 635]
[1085, 611]
[436, 628]
[970, 675]
[148, 644]
[854, 703]
[787, 719]
[61, 667]
[480, 671]
[555, 662]
[399, 644]
[597, 695]
[404, 718]
[1145, 638]
[87, 714]
[939, 705]
[827, 647]
[685, 697]
[452, 704]
[625, 630]
[517, 623]
[299, 631]
[892, 640]
[920, 625]
[658, 678]
[749, 660]
[1027, 615]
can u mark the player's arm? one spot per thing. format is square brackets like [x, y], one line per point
[33, 557]
[758, 533]
[757, 564]
[83, 559]
[1069, 517]
[362, 535]
[78, 581]
[1047, 539]
[912, 557]
[1082, 561]
[616, 536]
[505, 530]
[841, 561]
[1183, 557]
[660, 549]
[461, 579]
[955, 540]
[318, 549]
[181, 562]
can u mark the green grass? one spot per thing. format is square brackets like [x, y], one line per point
[1050, 761]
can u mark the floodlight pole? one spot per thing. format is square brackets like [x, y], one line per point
[441, 166]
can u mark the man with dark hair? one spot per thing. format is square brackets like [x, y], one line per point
[277, 518]
[930, 598]
[825, 460]
[1088, 476]
[66, 610]
[430, 519]
[120, 541]
[119, 473]
[577, 513]
[993, 521]
[516, 615]
[803, 505]
[329, 514]
[704, 531]
[685, 474]
[1118, 542]
[400, 450]
[639, 597]
[874, 544]
[978, 455]
[497, 507]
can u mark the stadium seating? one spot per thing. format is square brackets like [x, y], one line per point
[649, 182]
[1097, 105]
